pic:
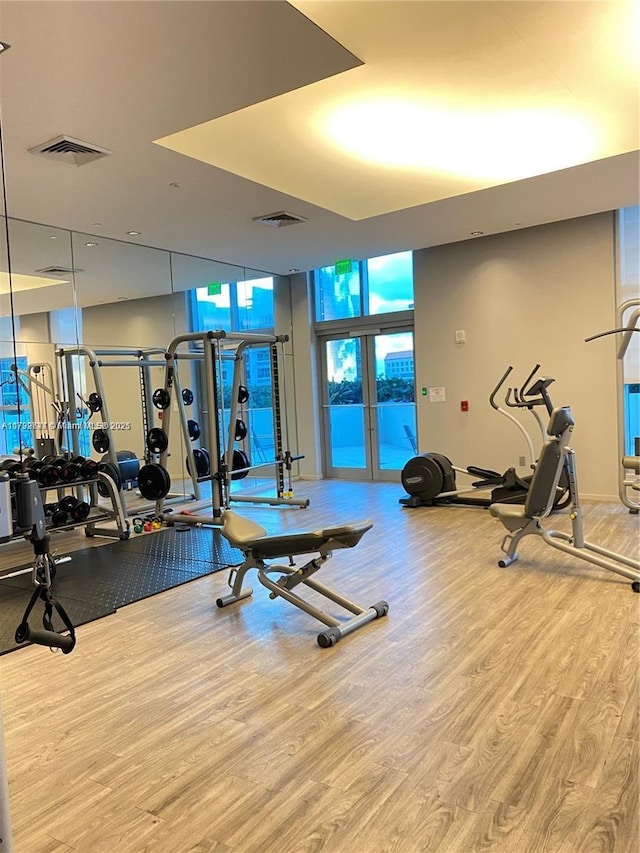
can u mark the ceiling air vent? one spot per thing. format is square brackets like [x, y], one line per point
[280, 219]
[65, 149]
[57, 272]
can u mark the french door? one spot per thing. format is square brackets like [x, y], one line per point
[368, 405]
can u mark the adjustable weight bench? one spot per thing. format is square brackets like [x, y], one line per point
[525, 520]
[258, 547]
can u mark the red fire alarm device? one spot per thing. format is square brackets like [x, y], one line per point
[464, 405]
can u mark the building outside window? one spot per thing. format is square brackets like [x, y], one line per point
[350, 289]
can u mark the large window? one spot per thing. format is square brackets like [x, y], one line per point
[629, 295]
[240, 306]
[376, 286]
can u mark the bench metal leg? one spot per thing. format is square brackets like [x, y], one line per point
[235, 581]
[337, 628]
[510, 542]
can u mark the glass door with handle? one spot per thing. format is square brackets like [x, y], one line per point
[368, 404]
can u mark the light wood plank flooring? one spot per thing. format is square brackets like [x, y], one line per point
[492, 710]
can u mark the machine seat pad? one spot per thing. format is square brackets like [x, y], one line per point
[248, 535]
[508, 511]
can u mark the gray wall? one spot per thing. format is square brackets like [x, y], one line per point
[523, 297]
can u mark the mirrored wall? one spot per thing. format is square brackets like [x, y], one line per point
[84, 315]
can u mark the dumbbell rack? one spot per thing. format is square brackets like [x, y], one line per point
[98, 514]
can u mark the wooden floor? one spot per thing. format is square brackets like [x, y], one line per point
[492, 710]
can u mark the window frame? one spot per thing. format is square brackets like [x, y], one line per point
[400, 317]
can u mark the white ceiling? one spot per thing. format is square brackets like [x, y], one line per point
[122, 75]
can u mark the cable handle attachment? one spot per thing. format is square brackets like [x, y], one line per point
[48, 636]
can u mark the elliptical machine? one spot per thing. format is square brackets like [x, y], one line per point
[430, 478]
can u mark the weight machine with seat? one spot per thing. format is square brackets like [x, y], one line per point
[520, 521]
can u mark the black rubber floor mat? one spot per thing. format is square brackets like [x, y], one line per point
[97, 581]
[14, 601]
[200, 544]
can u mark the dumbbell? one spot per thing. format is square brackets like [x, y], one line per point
[78, 510]
[11, 467]
[59, 514]
[81, 511]
[48, 474]
[32, 466]
[69, 469]
[89, 469]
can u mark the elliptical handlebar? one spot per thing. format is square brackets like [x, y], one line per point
[501, 382]
[523, 387]
[507, 414]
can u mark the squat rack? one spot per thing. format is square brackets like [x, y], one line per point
[221, 454]
[143, 360]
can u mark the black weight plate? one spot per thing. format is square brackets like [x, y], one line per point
[202, 463]
[243, 394]
[100, 441]
[240, 462]
[194, 429]
[157, 441]
[112, 471]
[95, 402]
[161, 398]
[187, 396]
[153, 481]
[241, 430]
